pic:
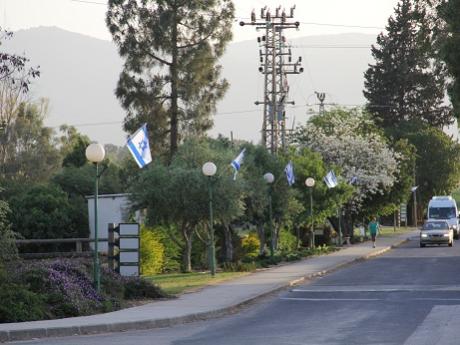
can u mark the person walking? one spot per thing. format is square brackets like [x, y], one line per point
[374, 228]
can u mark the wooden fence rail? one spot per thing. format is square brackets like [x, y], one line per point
[78, 246]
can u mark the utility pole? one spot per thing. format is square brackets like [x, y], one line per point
[321, 97]
[275, 68]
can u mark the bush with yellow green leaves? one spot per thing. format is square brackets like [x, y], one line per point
[152, 251]
[250, 246]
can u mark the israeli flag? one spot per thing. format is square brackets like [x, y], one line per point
[353, 180]
[236, 163]
[138, 145]
[289, 170]
[330, 179]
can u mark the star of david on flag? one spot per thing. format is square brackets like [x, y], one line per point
[289, 170]
[330, 179]
[138, 145]
[236, 163]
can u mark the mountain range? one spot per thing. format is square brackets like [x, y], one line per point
[79, 74]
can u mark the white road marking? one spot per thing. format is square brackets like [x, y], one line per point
[330, 299]
[440, 327]
[367, 299]
[435, 299]
[453, 288]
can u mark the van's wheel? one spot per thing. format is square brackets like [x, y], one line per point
[451, 243]
[422, 245]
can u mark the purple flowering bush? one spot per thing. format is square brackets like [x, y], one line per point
[64, 287]
[65, 284]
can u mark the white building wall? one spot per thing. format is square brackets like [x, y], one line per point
[112, 208]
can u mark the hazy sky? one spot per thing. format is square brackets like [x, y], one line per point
[88, 18]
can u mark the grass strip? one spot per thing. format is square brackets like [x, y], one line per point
[178, 283]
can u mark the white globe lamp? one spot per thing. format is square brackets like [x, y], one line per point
[209, 169]
[269, 178]
[310, 182]
[95, 153]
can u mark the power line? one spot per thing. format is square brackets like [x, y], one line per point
[318, 46]
[344, 25]
[93, 124]
[90, 2]
[244, 18]
[89, 124]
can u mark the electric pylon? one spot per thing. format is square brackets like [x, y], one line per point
[275, 68]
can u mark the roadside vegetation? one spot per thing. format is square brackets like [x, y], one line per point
[178, 283]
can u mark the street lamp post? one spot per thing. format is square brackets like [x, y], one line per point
[95, 153]
[310, 183]
[270, 178]
[339, 213]
[209, 169]
[414, 191]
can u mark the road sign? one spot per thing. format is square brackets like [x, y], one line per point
[403, 213]
[124, 248]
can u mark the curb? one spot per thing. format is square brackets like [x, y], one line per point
[31, 334]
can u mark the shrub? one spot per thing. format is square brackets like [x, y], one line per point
[43, 211]
[65, 286]
[8, 248]
[287, 242]
[152, 252]
[75, 284]
[172, 251]
[293, 256]
[250, 246]
[269, 261]
[239, 266]
[113, 287]
[140, 288]
[50, 289]
[19, 304]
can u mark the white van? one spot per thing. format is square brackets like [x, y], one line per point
[445, 208]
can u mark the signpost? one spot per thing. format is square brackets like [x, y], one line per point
[124, 256]
[403, 214]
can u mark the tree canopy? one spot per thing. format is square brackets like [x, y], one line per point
[407, 81]
[350, 141]
[171, 79]
[450, 48]
[436, 159]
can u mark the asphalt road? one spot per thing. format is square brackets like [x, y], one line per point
[408, 296]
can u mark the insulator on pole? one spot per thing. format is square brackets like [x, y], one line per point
[276, 68]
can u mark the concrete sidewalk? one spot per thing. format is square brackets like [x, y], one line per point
[210, 302]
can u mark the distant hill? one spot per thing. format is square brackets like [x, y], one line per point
[79, 74]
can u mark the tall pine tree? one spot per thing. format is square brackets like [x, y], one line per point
[449, 11]
[171, 79]
[407, 81]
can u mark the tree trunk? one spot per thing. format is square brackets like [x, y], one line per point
[297, 233]
[228, 240]
[347, 225]
[276, 232]
[262, 239]
[174, 111]
[187, 249]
